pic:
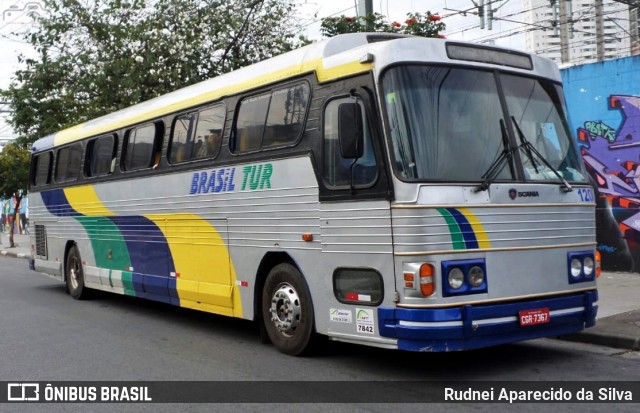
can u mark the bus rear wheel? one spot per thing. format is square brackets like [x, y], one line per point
[287, 310]
[75, 275]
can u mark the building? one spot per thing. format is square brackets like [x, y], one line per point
[634, 28]
[580, 31]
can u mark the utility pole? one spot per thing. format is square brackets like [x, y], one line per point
[599, 31]
[365, 8]
[564, 29]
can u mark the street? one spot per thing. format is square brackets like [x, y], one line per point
[45, 335]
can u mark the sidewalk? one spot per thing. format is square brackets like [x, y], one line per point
[618, 322]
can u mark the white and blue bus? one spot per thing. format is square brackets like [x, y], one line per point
[400, 192]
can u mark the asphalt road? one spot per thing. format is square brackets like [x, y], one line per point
[45, 335]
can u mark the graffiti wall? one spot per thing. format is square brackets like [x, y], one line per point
[604, 109]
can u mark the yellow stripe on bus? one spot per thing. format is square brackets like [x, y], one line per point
[478, 229]
[205, 276]
[85, 201]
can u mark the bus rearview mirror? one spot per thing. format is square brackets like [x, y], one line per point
[350, 134]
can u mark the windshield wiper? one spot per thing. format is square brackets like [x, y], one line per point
[497, 166]
[531, 150]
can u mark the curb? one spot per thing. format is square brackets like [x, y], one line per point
[602, 339]
[618, 331]
[13, 254]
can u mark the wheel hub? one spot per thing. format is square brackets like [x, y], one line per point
[285, 309]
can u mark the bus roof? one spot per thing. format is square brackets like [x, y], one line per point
[330, 59]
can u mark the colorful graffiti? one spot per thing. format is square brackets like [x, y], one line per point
[612, 158]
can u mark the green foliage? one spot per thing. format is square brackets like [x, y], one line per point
[99, 56]
[417, 24]
[14, 171]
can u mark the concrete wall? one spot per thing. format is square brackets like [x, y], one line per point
[604, 110]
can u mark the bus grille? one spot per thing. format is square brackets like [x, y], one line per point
[41, 241]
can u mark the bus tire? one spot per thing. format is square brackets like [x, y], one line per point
[75, 275]
[287, 310]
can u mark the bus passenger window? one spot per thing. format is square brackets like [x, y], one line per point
[337, 170]
[286, 115]
[140, 147]
[271, 119]
[101, 155]
[68, 163]
[251, 121]
[209, 132]
[42, 175]
[181, 138]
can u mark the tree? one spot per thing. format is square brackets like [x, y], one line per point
[14, 176]
[417, 24]
[95, 57]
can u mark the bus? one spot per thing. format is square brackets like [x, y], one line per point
[401, 192]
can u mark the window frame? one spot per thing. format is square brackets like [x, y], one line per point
[156, 148]
[366, 121]
[90, 156]
[191, 157]
[34, 174]
[74, 146]
[233, 138]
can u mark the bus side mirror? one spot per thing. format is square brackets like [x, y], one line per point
[350, 133]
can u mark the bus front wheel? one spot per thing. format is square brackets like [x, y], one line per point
[75, 275]
[287, 310]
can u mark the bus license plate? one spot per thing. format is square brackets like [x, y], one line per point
[533, 317]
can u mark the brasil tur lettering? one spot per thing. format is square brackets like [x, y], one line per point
[223, 179]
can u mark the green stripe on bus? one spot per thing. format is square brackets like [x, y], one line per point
[456, 234]
[109, 248]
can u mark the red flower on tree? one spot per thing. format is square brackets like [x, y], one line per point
[411, 21]
[349, 19]
[395, 24]
[434, 18]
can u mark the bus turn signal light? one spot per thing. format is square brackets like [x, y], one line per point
[408, 280]
[598, 262]
[427, 287]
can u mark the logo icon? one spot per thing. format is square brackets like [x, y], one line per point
[513, 193]
[23, 392]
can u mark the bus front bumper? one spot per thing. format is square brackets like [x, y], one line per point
[475, 326]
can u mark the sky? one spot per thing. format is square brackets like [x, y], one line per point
[14, 18]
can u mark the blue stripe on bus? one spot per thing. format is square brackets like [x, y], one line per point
[147, 246]
[150, 257]
[469, 235]
[57, 203]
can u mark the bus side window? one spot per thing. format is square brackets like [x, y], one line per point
[140, 146]
[68, 163]
[42, 172]
[209, 127]
[337, 170]
[271, 119]
[286, 116]
[182, 138]
[250, 123]
[100, 156]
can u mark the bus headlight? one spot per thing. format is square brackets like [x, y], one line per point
[589, 266]
[582, 266]
[463, 277]
[576, 267]
[456, 278]
[476, 276]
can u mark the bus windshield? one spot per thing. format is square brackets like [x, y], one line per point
[448, 124]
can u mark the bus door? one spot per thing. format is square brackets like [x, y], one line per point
[355, 215]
